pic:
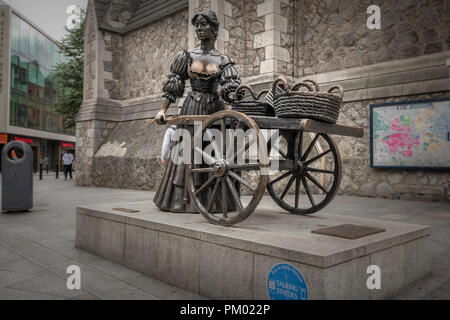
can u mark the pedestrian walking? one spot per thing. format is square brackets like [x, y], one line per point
[67, 162]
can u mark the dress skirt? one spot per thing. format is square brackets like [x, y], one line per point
[172, 194]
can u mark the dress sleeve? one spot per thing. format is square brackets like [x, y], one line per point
[229, 80]
[173, 87]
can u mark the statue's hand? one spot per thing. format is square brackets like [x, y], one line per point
[160, 117]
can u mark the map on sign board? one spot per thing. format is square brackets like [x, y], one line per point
[411, 135]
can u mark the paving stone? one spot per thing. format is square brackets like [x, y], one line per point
[127, 293]
[8, 278]
[18, 294]
[57, 252]
[153, 286]
[114, 270]
[23, 266]
[49, 284]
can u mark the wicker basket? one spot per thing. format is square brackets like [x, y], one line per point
[254, 107]
[311, 104]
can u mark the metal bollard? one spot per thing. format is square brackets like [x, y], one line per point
[40, 171]
[47, 167]
[57, 170]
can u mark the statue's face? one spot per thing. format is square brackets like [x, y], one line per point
[204, 29]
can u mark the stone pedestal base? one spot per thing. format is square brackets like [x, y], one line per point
[234, 263]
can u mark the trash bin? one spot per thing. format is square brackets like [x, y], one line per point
[17, 177]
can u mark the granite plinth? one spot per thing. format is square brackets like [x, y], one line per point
[234, 262]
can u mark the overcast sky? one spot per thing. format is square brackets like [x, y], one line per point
[48, 15]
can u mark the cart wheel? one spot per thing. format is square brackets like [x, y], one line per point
[231, 185]
[312, 164]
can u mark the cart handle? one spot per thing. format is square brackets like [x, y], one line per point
[265, 91]
[242, 88]
[297, 86]
[316, 85]
[275, 83]
[341, 90]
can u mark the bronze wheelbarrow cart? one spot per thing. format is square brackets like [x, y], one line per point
[306, 161]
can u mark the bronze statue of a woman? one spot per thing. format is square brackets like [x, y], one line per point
[206, 68]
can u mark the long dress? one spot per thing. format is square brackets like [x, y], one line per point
[204, 99]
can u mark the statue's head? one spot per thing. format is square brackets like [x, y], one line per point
[206, 25]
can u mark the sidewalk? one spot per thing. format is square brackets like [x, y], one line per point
[37, 247]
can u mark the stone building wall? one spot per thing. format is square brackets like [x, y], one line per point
[359, 179]
[147, 52]
[325, 40]
[335, 36]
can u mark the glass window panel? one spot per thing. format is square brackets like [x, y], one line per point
[15, 59]
[15, 32]
[40, 78]
[42, 50]
[24, 38]
[49, 54]
[55, 56]
[14, 82]
[13, 111]
[32, 73]
[34, 44]
[22, 119]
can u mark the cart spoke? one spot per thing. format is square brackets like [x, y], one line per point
[297, 146]
[307, 152]
[308, 192]
[224, 199]
[239, 179]
[287, 187]
[319, 170]
[313, 180]
[218, 153]
[242, 150]
[233, 135]
[213, 196]
[238, 126]
[300, 144]
[297, 191]
[223, 128]
[281, 177]
[235, 194]
[282, 153]
[206, 184]
[317, 157]
[204, 154]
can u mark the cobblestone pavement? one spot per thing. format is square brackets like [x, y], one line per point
[36, 247]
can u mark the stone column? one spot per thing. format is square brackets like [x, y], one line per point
[270, 39]
[98, 113]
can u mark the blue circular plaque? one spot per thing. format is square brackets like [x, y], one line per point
[285, 282]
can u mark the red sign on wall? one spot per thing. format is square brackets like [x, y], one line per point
[3, 138]
[26, 140]
[67, 145]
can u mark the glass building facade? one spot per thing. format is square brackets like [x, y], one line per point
[34, 93]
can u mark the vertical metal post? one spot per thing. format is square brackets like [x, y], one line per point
[57, 170]
[40, 171]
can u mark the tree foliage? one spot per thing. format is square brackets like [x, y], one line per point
[69, 75]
